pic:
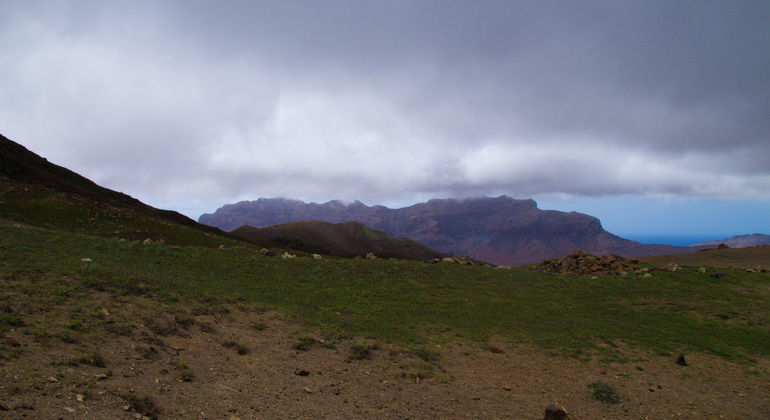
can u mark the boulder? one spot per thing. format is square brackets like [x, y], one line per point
[556, 412]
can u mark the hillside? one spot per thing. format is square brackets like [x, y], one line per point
[348, 239]
[501, 230]
[35, 191]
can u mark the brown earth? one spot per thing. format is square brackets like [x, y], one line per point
[128, 357]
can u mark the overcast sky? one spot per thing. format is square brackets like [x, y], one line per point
[190, 105]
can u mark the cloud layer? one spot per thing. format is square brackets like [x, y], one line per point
[393, 101]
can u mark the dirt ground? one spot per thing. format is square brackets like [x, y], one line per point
[198, 373]
[255, 363]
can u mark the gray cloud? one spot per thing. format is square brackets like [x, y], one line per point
[388, 101]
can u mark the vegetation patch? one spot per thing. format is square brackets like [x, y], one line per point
[604, 392]
[360, 351]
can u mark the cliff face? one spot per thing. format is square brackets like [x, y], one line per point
[499, 230]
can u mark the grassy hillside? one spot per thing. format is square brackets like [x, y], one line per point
[401, 301]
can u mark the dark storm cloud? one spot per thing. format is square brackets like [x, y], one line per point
[394, 100]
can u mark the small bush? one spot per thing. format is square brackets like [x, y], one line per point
[257, 325]
[304, 343]
[605, 393]
[360, 351]
[143, 404]
[94, 359]
[184, 320]
[183, 372]
[233, 344]
[147, 352]
[428, 355]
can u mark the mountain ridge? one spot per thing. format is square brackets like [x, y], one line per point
[501, 230]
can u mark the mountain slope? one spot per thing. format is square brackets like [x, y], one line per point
[340, 239]
[35, 191]
[500, 230]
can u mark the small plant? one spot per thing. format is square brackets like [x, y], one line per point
[184, 373]
[257, 325]
[147, 352]
[143, 404]
[94, 359]
[604, 393]
[304, 343]
[360, 351]
[233, 344]
[428, 355]
[184, 320]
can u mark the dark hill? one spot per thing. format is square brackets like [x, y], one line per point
[340, 239]
[500, 230]
[35, 191]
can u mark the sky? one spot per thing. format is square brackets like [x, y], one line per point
[653, 116]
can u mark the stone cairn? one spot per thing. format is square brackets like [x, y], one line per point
[581, 262]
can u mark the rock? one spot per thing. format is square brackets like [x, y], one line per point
[580, 262]
[69, 409]
[646, 276]
[671, 267]
[702, 270]
[317, 257]
[717, 275]
[221, 248]
[52, 379]
[503, 267]
[270, 253]
[286, 255]
[148, 241]
[555, 412]
[680, 360]
[79, 398]
[85, 259]
[448, 260]
[371, 256]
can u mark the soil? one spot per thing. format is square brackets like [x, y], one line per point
[140, 359]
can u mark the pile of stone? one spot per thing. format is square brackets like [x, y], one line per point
[581, 262]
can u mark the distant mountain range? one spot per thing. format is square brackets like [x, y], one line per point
[740, 241]
[499, 230]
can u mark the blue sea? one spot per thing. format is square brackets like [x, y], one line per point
[679, 240]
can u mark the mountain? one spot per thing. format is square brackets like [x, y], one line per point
[740, 241]
[340, 239]
[499, 230]
[35, 191]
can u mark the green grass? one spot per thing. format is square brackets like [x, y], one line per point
[398, 301]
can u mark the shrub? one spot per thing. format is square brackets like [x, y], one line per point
[604, 393]
[360, 351]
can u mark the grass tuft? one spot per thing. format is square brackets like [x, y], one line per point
[604, 393]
